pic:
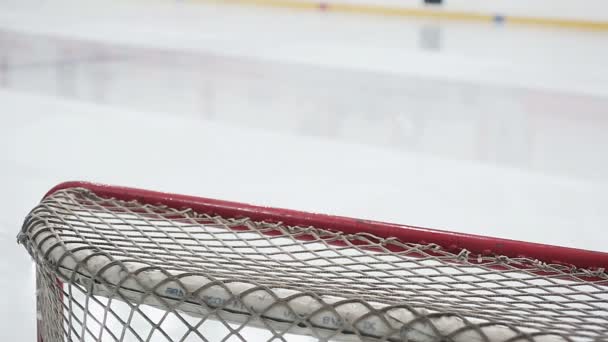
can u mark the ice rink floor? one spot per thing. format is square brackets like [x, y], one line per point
[493, 130]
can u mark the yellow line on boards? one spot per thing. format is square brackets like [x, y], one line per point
[430, 13]
[565, 23]
[407, 12]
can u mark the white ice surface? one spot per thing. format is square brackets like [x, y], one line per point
[489, 130]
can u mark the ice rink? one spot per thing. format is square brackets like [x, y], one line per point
[479, 128]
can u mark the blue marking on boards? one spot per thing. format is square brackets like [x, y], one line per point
[498, 18]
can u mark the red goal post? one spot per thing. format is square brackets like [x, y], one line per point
[364, 280]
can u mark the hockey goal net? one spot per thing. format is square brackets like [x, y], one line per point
[120, 264]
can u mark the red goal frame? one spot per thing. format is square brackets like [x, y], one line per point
[477, 245]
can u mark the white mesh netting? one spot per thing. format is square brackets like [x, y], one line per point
[111, 270]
